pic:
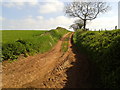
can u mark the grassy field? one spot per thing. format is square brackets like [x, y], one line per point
[103, 49]
[17, 42]
[9, 36]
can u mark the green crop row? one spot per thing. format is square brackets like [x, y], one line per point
[28, 42]
[103, 49]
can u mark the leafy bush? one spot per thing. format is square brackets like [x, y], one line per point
[103, 49]
[13, 50]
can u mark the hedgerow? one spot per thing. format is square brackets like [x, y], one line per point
[103, 48]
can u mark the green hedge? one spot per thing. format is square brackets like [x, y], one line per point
[103, 48]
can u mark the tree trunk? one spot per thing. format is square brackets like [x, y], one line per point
[84, 23]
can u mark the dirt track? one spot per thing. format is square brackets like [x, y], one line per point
[53, 69]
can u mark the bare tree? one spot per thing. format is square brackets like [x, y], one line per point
[78, 24]
[75, 27]
[85, 10]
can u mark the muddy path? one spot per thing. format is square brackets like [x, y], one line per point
[54, 69]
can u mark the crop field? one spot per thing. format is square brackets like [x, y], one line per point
[28, 42]
[9, 36]
[103, 48]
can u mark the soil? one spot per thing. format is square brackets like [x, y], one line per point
[53, 69]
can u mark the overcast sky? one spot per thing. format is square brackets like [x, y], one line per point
[39, 15]
[119, 15]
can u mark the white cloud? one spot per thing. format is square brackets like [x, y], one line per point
[103, 23]
[1, 18]
[37, 23]
[40, 17]
[51, 7]
[119, 15]
[32, 2]
[42, 23]
[13, 4]
[48, 6]
[19, 3]
[20, 0]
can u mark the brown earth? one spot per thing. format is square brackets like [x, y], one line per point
[54, 69]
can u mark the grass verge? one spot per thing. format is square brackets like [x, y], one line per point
[66, 43]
